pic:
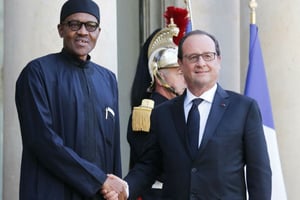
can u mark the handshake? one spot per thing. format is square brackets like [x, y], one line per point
[114, 188]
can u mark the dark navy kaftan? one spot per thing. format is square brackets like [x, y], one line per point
[69, 118]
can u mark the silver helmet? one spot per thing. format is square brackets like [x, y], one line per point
[162, 53]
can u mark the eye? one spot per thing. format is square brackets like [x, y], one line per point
[207, 56]
[74, 24]
[194, 58]
[91, 26]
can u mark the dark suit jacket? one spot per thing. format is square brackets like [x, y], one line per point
[233, 138]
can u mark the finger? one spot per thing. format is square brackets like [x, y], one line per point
[111, 195]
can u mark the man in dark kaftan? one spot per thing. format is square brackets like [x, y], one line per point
[69, 117]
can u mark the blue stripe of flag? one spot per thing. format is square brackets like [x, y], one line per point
[256, 81]
[189, 27]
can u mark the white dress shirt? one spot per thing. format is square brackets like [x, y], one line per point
[204, 107]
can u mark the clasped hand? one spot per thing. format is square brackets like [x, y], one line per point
[114, 188]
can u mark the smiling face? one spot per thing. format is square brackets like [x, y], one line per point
[200, 75]
[81, 42]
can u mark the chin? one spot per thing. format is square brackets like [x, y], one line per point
[181, 91]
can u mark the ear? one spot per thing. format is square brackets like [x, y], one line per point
[60, 30]
[156, 79]
[161, 73]
[98, 32]
[219, 59]
[179, 61]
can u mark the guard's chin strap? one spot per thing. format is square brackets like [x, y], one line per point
[165, 84]
[171, 89]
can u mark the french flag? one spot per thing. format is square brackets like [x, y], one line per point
[257, 88]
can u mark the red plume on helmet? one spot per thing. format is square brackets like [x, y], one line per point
[180, 18]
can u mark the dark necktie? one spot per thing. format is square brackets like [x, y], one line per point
[193, 125]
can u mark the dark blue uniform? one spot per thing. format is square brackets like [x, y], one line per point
[138, 142]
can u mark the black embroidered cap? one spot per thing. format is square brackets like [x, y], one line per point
[75, 6]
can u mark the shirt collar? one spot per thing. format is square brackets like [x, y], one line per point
[75, 60]
[206, 96]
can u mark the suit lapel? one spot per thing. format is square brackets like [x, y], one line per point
[220, 104]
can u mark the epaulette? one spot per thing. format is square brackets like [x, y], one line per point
[141, 116]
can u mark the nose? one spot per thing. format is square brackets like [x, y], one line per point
[200, 61]
[82, 30]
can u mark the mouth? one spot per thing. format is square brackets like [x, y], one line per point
[200, 72]
[81, 41]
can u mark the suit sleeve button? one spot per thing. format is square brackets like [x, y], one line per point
[194, 170]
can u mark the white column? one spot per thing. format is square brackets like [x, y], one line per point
[279, 31]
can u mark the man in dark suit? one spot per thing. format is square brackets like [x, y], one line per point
[231, 157]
